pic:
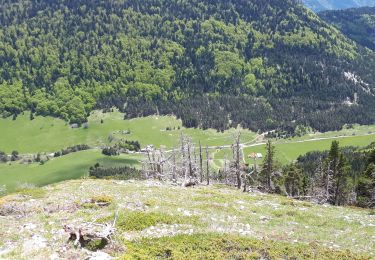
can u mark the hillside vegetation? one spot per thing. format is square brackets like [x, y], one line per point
[357, 24]
[157, 220]
[321, 5]
[261, 64]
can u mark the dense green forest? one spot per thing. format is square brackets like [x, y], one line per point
[340, 176]
[260, 63]
[321, 5]
[358, 24]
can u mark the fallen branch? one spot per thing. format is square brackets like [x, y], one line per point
[88, 232]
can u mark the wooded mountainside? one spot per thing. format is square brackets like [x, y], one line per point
[321, 5]
[358, 24]
[261, 63]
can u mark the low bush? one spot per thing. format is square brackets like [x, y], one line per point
[217, 246]
[138, 220]
[119, 173]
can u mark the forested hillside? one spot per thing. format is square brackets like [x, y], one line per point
[358, 24]
[262, 63]
[320, 5]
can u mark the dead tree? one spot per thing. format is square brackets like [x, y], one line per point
[208, 166]
[237, 158]
[184, 172]
[178, 165]
[87, 232]
[200, 162]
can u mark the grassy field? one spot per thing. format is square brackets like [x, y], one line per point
[288, 151]
[72, 166]
[46, 134]
[159, 220]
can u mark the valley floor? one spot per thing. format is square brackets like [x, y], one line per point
[45, 135]
[160, 220]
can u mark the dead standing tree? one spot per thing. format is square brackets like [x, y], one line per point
[232, 171]
[236, 148]
[178, 165]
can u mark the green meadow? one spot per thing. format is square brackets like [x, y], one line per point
[47, 134]
[72, 166]
[288, 151]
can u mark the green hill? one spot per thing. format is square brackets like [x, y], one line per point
[357, 24]
[261, 64]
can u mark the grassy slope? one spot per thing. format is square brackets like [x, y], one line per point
[288, 152]
[46, 134]
[149, 210]
[71, 166]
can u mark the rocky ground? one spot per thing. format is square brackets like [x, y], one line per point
[33, 220]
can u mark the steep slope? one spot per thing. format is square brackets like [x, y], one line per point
[320, 5]
[357, 24]
[262, 64]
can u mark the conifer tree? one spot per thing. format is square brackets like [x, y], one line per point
[268, 165]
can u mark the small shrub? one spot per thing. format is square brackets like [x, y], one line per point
[102, 200]
[137, 220]
[110, 151]
[95, 244]
[96, 202]
[35, 193]
[216, 246]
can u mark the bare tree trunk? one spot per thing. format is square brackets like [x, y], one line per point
[184, 172]
[237, 150]
[208, 166]
[174, 168]
[200, 161]
[189, 159]
[149, 161]
[245, 183]
[225, 169]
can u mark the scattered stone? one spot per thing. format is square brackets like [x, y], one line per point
[100, 256]
[34, 244]
[265, 218]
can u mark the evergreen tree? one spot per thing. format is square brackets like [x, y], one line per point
[294, 180]
[268, 165]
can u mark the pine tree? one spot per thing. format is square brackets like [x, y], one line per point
[293, 180]
[268, 165]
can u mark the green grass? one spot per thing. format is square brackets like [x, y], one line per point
[288, 151]
[204, 222]
[67, 167]
[46, 134]
[138, 220]
[216, 246]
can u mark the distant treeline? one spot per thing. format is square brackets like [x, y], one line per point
[119, 173]
[72, 149]
[223, 112]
